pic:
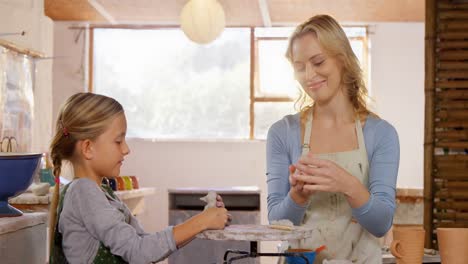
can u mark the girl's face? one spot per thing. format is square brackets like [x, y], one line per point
[318, 73]
[110, 148]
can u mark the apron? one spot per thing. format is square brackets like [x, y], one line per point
[103, 254]
[330, 216]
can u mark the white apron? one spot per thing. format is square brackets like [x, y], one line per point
[329, 214]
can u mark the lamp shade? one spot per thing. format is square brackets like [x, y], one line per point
[202, 21]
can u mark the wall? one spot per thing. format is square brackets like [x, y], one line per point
[69, 67]
[397, 79]
[28, 16]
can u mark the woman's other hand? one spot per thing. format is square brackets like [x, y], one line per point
[322, 175]
[327, 176]
[298, 193]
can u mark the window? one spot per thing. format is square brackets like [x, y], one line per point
[173, 88]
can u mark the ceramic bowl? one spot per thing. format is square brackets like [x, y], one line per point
[17, 171]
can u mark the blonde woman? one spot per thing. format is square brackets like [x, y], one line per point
[88, 223]
[333, 166]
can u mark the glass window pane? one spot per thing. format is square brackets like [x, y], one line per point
[276, 74]
[274, 31]
[268, 113]
[350, 31]
[355, 31]
[171, 87]
[357, 46]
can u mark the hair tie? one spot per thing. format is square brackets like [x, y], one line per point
[65, 132]
[64, 129]
[57, 180]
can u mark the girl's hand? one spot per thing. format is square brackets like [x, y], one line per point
[298, 193]
[220, 204]
[211, 218]
[214, 218]
[219, 201]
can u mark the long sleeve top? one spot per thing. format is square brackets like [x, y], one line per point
[383, 151]
[88, 217]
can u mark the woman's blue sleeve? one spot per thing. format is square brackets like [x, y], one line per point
[376, 216]
[280, 204]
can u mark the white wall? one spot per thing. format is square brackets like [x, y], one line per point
[175, 164]
[69, 66]
[397, 80]
[28, 16]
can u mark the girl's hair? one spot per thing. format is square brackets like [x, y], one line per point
[335, 43]
[82, 116]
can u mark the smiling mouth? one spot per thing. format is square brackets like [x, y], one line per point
[316, 85]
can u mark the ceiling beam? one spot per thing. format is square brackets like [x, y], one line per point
[102, 11]
[238, 12]
[263, 5]
[292, 12]
[67, 10]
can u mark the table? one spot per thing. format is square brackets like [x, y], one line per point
[388, 258]
[22, 238]
[254, 233]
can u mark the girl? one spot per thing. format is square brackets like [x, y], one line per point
[333, 166]
[89, 224]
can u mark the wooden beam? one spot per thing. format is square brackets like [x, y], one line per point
[15, 48]
[91, 61]
[430, 65]
[102, 11]
[246, 13]
[71, 10]
[252, 83]
[295, 11]
[263, 5]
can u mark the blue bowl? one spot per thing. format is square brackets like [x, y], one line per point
[308, 253]
[16, 174]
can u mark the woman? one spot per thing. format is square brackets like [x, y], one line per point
[333, 166]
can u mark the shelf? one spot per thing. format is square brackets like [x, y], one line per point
[12, 224]
[30, 198]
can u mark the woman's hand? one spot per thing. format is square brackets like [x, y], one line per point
[326, 176]
[298, 193]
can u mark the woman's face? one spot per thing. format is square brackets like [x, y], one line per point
[318, 73]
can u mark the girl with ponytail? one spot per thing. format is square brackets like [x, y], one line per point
[88, 223]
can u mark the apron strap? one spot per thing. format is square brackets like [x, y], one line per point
[307, 133]
[360, 137]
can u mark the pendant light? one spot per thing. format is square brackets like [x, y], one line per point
[202, 21]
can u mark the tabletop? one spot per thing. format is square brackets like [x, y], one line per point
[257, 233]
